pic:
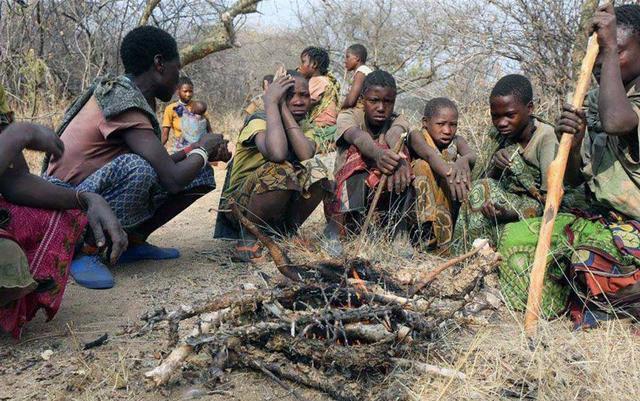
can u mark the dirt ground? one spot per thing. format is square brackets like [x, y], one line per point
[115, 370]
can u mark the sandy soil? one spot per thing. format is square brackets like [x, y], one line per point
[114, 370]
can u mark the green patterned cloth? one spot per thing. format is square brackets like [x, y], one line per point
[325, 138]
[520, 189]
[572, 243]
[517, 247]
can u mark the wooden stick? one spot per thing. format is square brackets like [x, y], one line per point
[446, 265]
[555, 192]
[280, 258]
[376, 197]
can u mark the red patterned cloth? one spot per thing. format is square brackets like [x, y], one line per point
[48, 239]
[355, 163]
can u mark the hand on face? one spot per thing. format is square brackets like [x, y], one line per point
[277, 91]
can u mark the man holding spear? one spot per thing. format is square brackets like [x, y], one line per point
[603, 244]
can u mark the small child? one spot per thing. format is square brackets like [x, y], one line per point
[442, 164]
[173, 113]
[354, 61]
[194, 125]
[324, 90]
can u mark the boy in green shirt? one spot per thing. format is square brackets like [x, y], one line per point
[514, 182]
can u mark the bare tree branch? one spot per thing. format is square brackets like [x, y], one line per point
[221, 35]
[148, 10]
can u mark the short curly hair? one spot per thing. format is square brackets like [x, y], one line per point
[514, 84]
[628, 16]
[359, 51]
[379, 78]
[434, 105]
[142, 44]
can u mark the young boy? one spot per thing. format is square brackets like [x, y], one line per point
[324, 90]
[355, 61]
[275, 178]
[515, 180]
[442, 164]
[256, 103]
[365, 139]
[173, 112]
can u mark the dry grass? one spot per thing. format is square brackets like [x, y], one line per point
[501, 363]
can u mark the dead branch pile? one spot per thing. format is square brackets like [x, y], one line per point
[336, 326]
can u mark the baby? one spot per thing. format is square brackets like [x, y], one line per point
[194, 124]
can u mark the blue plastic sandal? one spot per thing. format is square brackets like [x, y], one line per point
[147, 252]
[90, 272]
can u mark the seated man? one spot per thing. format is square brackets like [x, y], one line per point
[442, 164]
[601, 246]
[275, 178]
[324, 89]
[515, 181]
[365, 139]
[40, 226]
[112, 147]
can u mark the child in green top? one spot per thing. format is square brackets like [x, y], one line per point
[515, 179]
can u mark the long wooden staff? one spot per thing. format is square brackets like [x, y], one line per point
[555, 192]
[376, 197]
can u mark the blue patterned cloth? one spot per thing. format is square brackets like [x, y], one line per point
[131, 187]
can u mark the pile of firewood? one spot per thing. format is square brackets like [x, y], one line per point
[338, 326]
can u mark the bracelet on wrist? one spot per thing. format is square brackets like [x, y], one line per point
[200, 151]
